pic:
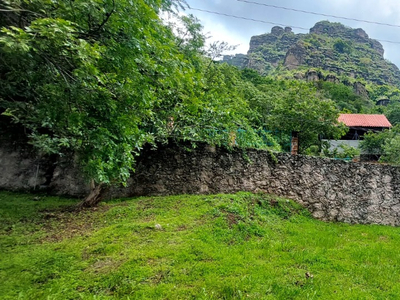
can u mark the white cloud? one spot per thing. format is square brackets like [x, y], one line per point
[223, 34]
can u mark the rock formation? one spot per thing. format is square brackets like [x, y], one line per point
[331, 47]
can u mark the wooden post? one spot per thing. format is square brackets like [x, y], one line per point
[294, 146]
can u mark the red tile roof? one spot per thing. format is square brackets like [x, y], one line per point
[360, 120]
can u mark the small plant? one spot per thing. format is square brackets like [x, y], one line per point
[313, 150]
[343, 151]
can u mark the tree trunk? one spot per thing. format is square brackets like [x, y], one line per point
[94, 197]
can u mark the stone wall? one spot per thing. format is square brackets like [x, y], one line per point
[331, 190]
[21, 169]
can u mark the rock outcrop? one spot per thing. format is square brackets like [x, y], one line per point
[332, 47]
[295, 57]
[237, 60]
[360, 89]
[337, 30]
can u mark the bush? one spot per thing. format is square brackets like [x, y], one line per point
[343, 151]
[391, 151]
[342, 46]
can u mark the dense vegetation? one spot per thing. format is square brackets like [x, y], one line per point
[101, 79]
[98, 80]
[345, 65]
[241, 246]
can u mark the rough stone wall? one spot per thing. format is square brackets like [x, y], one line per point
[331, 190]
[21, 169]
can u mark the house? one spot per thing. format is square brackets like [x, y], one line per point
[359, 124]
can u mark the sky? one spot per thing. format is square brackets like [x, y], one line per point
[238, 31]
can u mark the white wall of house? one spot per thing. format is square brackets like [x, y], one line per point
[336, 143]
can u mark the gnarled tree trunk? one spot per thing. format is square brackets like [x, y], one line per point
[94, 197]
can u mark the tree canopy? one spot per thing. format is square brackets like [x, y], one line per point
[294, 106]
[99, 79]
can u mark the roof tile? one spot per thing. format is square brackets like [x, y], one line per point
[363, 120]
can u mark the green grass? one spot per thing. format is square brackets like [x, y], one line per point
[243, 246]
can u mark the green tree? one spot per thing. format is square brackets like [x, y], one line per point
[302, 110]
[373, 143]
[101, 78]
[344, 97]
[81, 76]
[342, 46]
[392, 112]
[391, 150]
[289, 106]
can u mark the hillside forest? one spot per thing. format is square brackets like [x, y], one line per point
[100, 79]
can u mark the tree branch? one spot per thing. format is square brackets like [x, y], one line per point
[108, 15]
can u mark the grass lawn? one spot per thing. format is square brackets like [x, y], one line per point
[242, 246]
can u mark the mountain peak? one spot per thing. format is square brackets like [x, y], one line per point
[338, 30]
[329, 46]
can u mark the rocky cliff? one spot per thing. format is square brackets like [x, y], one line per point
[331, 47]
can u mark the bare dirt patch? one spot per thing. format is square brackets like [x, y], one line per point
[104, 266]
[232, 219]
[70, 222]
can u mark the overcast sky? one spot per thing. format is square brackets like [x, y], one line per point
[238, 32]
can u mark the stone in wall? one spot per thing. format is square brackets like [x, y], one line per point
[331, 190]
